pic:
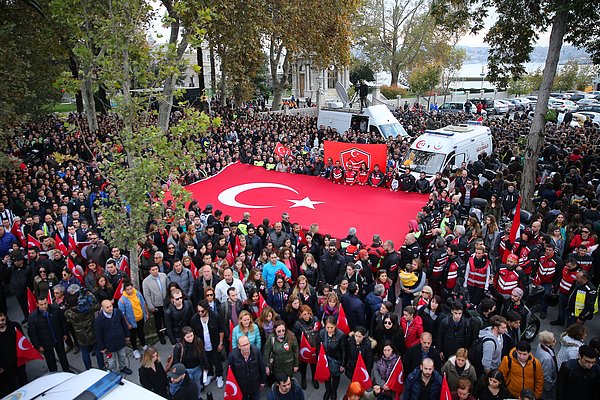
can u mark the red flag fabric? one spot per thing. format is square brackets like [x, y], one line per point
[124, 266]
[396, 380]
[281, 150]
[309, 199]
[16, 230]
[308, 354]
[480, 119]
[322, 372]
[49, 297]
[76, 270]
[72, 244]
[342, 321]
[31, 301]
[445, 393]
[118, 291]
[31, 241]
[232, 388]
[361, 375]
[514, 230]
[262, 303]
[353, 154]
[60, 245]
[25, 350]
[231, 334]
[195, 272]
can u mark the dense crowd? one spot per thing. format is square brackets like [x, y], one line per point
[253, 297]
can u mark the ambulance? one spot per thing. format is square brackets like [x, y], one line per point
[449, 147]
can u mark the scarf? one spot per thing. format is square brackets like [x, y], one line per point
[385, 365]
[268, 327]
[174, 387]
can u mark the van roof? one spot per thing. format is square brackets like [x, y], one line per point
[443, 140]
[65, 385]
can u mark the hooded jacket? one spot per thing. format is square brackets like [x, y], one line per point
[412, 331]
[518, 377]
[453, 376]
[491, 355]
[366, 348]
[569, 349]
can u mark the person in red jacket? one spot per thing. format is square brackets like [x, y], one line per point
[337, 173]
[412, 326]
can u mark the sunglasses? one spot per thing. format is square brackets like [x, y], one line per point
[210, 295]
[42, 271]
[177, 298]
[387, 322]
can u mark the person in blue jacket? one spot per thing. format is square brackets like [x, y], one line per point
[424, 378]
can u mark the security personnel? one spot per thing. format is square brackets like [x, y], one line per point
[337, 173]
[547, 274]
[350, 176]
[455, 268]
[435, 265]
[583, 300]
[527, 251]
[507, 278]
[568, 277]
[477, 275]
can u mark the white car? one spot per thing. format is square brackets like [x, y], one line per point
[561, 105]
[594, 116]
[588, 102]
[509, 104]
[521, 103]
[592, 94]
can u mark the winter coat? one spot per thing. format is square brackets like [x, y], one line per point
[155, 381]
[176, 319]
[249, 375]
[281, 357]
[518, 377]
[569, 349]
[253, 335]
[366, 349]
[83, 322]
[550, 368]
[412, 386]
[335, 347]
[296, 392]
[452, 336]
[111, 332]
[185, 280]
[575, 382]
[215, 328]
[414, 355]
[187, 391]
[20, 279]
[37, 327]
[355, 311]
[412, 331]
[373, 303]
[491, 353]
[453, 376]
[42, 286]
[127, 309]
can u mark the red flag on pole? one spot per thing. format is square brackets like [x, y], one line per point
[281, 150]
[361, 374]
[445, 393]
[195, 272]
[514, 230]
[308, 354]
[124, 266]
[31, 241]
[232, 388]
[31, 301]
[76, 270]
[261, 302]
[25, 350]
[60, 245]
[49, 296]
[16, 230]
[231, 334]
[322, 372]
[118, 291]
[396, 380]
[342, 322]
[72, 244]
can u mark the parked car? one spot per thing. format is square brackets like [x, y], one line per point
[589, 108]
[561, 105]
[577, 121]
[452, 107]
[594, 116]
[509, 104]
[588, 102]
[532, 100]
[575, 95]
[491, 106]
[558, 95]
[593, 94]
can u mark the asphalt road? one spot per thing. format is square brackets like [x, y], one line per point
[37, 368]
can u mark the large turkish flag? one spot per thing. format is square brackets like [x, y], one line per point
[309, 199]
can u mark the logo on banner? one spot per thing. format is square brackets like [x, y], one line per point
[420, 144]
[353, 158]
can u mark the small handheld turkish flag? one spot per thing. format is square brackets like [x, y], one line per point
[31, 241]
[281, 150]
[49, 296]
[361, 375]
[31, 301]
[343, 321]
[194, 270]
[76, 270]
[16, 230]
[124, 266]
[261, 302]
[232, 388]
[25, 350]
[308, 354]
[60, 245]
[118, 291]
[231, 334]
[396, 380]
[322, 372]
[445, 393]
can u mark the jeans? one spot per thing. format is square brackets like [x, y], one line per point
[547, 290]
[195, 375]
[563, 303]
[85, 355]
[112, 362]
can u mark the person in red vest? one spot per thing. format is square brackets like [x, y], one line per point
[436, 264]
[350, 176]
[337, 173]
[376, 177]
[527, 251]
[453, 271]
[568, 277]
[547, 274]
[477, 275]
[506, 279]
[363, 175]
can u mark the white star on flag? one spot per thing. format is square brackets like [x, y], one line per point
[305, 202]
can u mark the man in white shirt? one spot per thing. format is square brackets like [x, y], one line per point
[226, 283]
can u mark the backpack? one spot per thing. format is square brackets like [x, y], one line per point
[476, 354]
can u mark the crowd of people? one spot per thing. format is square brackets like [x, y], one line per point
[244, 297]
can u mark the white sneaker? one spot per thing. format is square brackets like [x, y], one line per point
[145, 347]
[137, 354]
[207, 380]
[219, 382]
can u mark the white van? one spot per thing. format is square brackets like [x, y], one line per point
[90, 384]
[378, 119]
[435, 150]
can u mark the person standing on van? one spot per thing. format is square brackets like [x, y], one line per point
[363, 92]
[479, 107]
[468, 106]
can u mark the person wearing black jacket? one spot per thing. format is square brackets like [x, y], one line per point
[332, 265]
[359, 342]
[207, 278]
[21, 279]
[333, 341]
[454, 332]
[354, 307]
[12, 376]
[247, 365]
[47, 329]
[392, 261]
[181, 386]
[177, 315]
[415, 354]
[207, 326]
[152, 373]
[580, 378]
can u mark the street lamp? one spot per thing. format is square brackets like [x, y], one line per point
[319, 91]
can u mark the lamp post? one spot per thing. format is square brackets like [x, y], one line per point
[319, 91]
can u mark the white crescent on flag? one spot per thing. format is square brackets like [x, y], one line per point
[227, 196]
[401, 378]
[364, 371]
[20, 344]
[234, 388]
[302, 350]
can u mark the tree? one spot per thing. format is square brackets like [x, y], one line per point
[518, 87]
[534, 80]
[511, 40]
[360, 70]
[565, 78]
[423, 80]
[452, 61]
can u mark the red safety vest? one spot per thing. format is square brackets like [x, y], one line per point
[568, 277]
[350, 177]
[363, 177]
[452, 277]
[438, 266]
[524, 261]
[477, 276]
[506, 281]
[337, 174]
[547, 269]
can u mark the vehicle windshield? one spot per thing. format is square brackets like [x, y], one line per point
[392, 130]
[424, 161]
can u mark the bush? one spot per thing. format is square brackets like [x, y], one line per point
[390, 92]
[551, 116]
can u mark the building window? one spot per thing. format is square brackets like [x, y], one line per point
[332, 78]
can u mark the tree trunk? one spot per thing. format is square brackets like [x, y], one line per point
[89, 106]
[279, 84]
[134, 266]
[75, 74]
[223, 83]
[103, 100]
[213, 72]
[535, 140]
[394, 81]
[200, 63]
